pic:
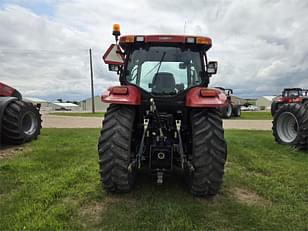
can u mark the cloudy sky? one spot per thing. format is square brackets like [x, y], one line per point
[261, 45]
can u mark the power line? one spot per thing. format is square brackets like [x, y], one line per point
[62, 51]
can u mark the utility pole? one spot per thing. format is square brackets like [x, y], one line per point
[92, 85]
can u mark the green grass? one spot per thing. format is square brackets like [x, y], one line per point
[254, 115]
[53, 184]
[83, 114]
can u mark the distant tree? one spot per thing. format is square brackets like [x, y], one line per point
[60, 100]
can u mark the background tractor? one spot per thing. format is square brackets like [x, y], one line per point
[162, 116]
[290, 95]
[233, 107]
[290, 117]
[20, 121]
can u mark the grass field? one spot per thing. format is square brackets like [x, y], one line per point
[83, 114]
[53, 184]
[251, 115]
[254, 115]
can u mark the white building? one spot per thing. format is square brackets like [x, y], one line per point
[264, 102]
[86, 105]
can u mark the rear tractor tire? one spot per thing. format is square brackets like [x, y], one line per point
[209, 152]
[114, 149]
[290, 125]
[21, 123]
[274, 107]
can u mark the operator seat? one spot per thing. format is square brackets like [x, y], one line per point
[163, 83]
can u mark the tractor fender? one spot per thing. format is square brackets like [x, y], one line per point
[4, 102]
[195, 99]
[7, 91]
[131, 96]
[279, 99]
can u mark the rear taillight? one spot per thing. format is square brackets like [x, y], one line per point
[205, 92]
[119, 91]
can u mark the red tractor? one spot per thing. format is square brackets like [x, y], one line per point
[290, 117]
[290, 95]
[232, 108]
[20, 121]
[162, 117]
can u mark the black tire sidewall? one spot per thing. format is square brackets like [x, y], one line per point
[209, 167]
[29, 108]
[114, 163]
[297, 110]
[13, 119]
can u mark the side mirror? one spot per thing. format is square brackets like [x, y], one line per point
[212, 67]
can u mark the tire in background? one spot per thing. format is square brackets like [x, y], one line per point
[227, 111]
[274, 107]
[209, 152]
[114, 149]
[290, 125]
[21, 123]
[236, 110]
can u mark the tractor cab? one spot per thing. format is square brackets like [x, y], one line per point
[292, 92]
[161, 65]
[164, 64]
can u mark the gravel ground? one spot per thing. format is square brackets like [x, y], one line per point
[53, 121]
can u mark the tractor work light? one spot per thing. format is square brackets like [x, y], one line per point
[205, 92]
[139, 39]
[190, 40]
[119, 91]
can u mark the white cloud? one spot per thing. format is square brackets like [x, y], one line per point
[261, 46]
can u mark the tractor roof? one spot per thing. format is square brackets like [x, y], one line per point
[292, 89]
[199, 41]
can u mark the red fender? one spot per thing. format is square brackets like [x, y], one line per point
[279, 99]
[122, 95]
[7, 91]
[205, 97]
